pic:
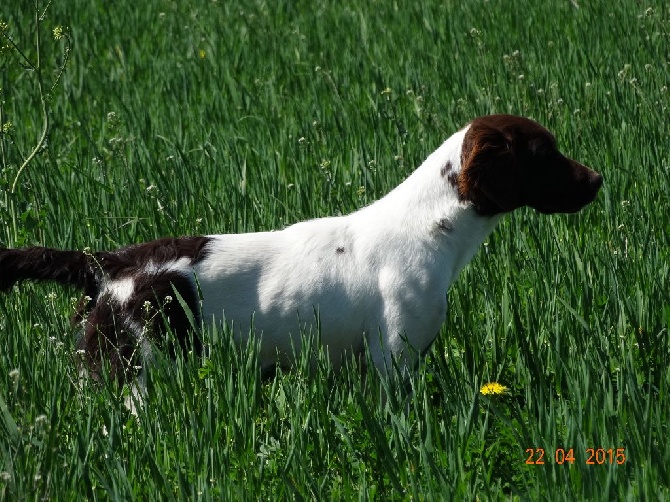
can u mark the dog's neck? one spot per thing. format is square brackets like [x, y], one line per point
[423, 221]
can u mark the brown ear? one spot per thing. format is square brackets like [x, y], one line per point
[489, 177]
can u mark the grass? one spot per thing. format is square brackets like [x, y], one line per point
[180, 118]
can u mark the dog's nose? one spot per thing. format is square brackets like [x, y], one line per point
[596, 181]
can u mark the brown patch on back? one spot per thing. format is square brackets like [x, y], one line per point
[132, 258]
[112, 331]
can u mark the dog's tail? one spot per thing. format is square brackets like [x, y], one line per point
[72, 268]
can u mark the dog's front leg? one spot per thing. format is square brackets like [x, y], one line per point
[391, 351]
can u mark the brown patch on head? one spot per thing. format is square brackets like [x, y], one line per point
[509, 162]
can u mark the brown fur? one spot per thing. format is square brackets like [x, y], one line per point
[507, 162]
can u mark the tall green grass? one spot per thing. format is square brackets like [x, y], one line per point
[176, 118]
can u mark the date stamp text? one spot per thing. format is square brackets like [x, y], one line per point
[592, 456]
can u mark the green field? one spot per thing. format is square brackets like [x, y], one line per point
[177, 118]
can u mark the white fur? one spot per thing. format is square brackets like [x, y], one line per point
[121, 290]
[387, 284]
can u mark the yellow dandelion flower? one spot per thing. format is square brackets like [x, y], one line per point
[202, 53]
[493, 388]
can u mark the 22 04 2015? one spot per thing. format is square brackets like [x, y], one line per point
[594, 456]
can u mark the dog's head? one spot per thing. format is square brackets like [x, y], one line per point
[508, 162]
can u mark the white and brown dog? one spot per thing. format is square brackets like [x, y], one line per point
[377, 277]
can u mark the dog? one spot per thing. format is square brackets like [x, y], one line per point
[376, 278]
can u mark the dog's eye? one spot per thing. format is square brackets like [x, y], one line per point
[543, 148]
